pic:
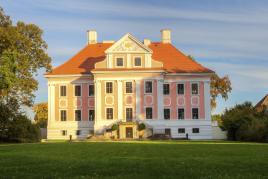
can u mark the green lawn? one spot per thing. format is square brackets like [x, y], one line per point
[134, 160]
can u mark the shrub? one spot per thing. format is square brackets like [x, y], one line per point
[22, 130]
[244, 123]
[114, 127]
[141, 127]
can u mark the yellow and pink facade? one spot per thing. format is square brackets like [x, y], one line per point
[128, 82]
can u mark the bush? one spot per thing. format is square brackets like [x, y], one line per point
[244, 123]
[22, 130]
[141, 127]
[114, 127]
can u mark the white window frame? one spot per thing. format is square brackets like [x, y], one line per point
[122, 57]
[112, 87]
[89, 109]
[93, 88]
[168, 87]
[133, 60]
[183, 89]
[152, 112]
[198, 113]
[81, 114]
[106, 113]
[169, 113]
[126, 112]
[60, 90]
[198, 89]
[81, 92]
[60, 114]
[126, 87]
[145, 86]
[178, 113]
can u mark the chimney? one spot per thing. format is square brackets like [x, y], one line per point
[147, 42]
[166, 36]
[91, 37]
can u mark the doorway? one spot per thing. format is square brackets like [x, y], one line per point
[129, 132]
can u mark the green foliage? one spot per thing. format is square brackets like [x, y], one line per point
[41, 114]
[243, 122]
[16, 127]
[141, 126]
[115, 127]
[22, 54]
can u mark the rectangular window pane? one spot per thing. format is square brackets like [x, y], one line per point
[148, 87]
[129, 114]
[181, 113]
[128, 87]
[109, 113]
[195, 130]
[62, 90]
[166, 89]
[166, 114]
[91, 90]
[119, 62]
[77, 90]
[77, 115]
[149, 113]
[78, 132]
[195, 114]
[109, 87]
[167, 131]
[181, 130]
[180, 88]
[63, 115]
[137, 61]
[91, 115]
[194, 88]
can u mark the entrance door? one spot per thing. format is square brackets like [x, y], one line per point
[129, 132]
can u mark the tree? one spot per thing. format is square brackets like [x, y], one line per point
[219, 87]
[243, 122]
[22, 54]
[41, 114]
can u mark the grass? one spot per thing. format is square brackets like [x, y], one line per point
[155, 159]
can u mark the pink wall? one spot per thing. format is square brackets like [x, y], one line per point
[188, 108]
[173, 94]
[155, 101]
[201, 101]
[84, 102]
[142, 98]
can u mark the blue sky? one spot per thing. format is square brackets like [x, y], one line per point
[228, 36]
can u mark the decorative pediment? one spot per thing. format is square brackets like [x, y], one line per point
[128, 43]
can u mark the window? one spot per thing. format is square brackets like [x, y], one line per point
[137, 61]
[149, 113]
[109, 87]
[109, 113]
[77, 90]
[78, 132]
[91, 90]
[91, 115]
[194, 88]
[195, 130]
[64, 132]
[62, 90]
[166, 114]
[180, 88]
[181, 113]
[119, 62]
[128, 87]
[168, 132]
[195, 113]
[148, 87]
[181, 130]
[166, 89]
[63, 115]
[77, 115]
[129, 115]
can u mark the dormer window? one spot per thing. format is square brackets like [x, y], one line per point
[137, 61]
[119, 62]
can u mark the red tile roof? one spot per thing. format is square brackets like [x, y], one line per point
[174, 61]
